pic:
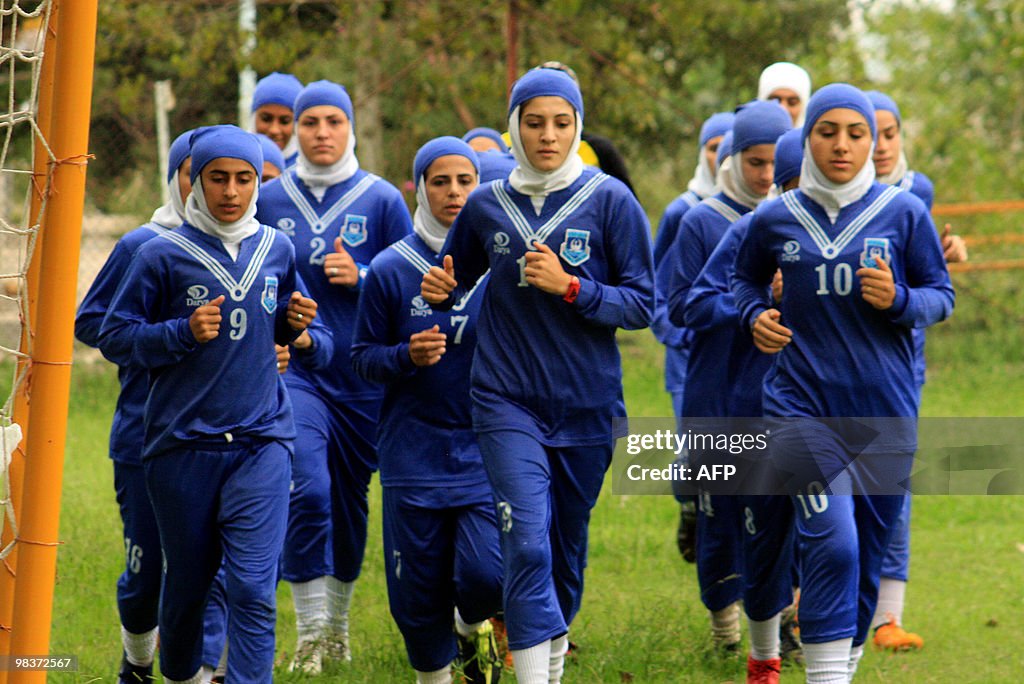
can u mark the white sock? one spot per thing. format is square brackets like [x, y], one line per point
[442, 676]
[828, 663]
[533, 664]
[464, 628]
[556, 662]
[891, 593]
[197, 678]
[139, 648]
[725, 624]
[310, 608]
[205, 674]
[855, 655]
[339, 599]
[764, 638]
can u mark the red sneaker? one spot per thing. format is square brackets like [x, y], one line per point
[763, 671]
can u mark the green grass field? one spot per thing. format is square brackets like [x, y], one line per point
[641, 619]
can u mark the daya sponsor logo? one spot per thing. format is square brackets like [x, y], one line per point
[197, 295]
[501, 243]
[791, 251]
[287, 226]
[419, 307]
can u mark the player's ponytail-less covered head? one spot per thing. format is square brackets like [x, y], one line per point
[424, 223]
[839, 96]
[214, 142]
[276, 88]
[884, 103]
[218, 142]
[789, 155]
[724, 149]
[489, 133]
[789, 76]
[441, 147]
[316, 94]
[543, 82]
[813, 181]
[325, 93]
[716, 126]
[172, 214]
[271, 152]
[756, 123]
[178, 153]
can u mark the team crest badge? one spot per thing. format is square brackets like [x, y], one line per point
[269, 297]
[875, 249]
[576, 246]
[354, 231]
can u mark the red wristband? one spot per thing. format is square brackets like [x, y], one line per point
[573, 292]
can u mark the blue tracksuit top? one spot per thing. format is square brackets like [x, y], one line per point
[846, 358]
[369, 214]
[425, 434]
[200, 393]
[544, 366]
[726, 372]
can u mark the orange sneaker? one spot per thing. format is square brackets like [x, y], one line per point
[892, 637]
[763, 671]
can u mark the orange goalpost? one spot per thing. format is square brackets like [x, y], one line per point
[48, 340]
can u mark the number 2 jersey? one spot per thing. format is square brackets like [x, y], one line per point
[543, 366]
[846, 358]
[225, 389]
[368, 213]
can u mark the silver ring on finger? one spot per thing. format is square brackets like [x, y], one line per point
[298, 317]
[333, 271]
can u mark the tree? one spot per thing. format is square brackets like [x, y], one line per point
[955, 73]
[650, 71]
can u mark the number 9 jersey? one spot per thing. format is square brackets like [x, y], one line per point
[228, 387]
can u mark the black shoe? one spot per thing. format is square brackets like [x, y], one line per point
[134, 674]
[790, 648]
[478, 656]
[686, 537]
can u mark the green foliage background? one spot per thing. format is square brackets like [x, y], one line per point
[651, 72]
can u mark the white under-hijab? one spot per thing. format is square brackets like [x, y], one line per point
[172, 214]
[703, 181]
[230, 234]
[789, 76]
[424, 223]
[730, 178]
[834, 196]
[529, 180]
[898, 171]
[319, 177]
